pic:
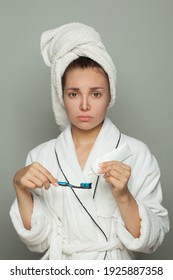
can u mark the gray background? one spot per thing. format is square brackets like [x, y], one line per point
[138, 36]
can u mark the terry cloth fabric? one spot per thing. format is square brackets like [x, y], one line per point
[86, 223]
[62, 45]
[120, 154]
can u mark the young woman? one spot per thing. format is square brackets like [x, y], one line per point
[92, 193]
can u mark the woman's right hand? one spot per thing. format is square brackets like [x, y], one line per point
[34, 176]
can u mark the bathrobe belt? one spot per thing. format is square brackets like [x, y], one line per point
[57, 247]
[104, 246]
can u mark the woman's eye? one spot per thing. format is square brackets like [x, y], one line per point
[96, 94]
[72, 94]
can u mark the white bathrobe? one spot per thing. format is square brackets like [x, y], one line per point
[85, 223]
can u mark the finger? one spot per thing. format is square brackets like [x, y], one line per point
[114, 163]
[118, 163]
[117, 184]
[36, 181]
[39, 183]
[113, 181]
[114, 174]
[35, 173]
[47, 174]
[119, 174]
[47, 185]
[27, 183]
[117, 168]
[34, 176]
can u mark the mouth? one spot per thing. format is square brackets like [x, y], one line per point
[84, 118]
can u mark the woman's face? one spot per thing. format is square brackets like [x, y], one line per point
[86, 97]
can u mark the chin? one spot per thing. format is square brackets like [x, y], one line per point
[87, 126]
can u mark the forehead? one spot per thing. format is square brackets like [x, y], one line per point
[89, 74]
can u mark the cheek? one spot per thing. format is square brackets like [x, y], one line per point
[100, 112]
[70, 108]
[67, 104]
[103, 106]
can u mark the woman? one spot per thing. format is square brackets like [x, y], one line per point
[92, 193]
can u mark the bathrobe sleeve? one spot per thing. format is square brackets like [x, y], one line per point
[43, 224]
[146, 188]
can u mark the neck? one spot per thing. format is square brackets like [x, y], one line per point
[85, 137]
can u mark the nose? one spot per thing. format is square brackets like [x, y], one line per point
[85, 106]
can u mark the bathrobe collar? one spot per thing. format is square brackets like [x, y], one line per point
[105, 142]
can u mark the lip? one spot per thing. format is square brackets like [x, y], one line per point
[84, 118]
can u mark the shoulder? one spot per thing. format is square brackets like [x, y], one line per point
[135, 144]
[141, 152]
[48, 145]
[42, 150]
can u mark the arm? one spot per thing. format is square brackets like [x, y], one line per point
[144, 186]
[25, 204]
[129, 212]
[117, 174]
[26, 179]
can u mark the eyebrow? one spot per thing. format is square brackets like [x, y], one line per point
[97, 88]
[72, 88]
[75, 88]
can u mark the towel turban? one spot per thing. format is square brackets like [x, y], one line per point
[62, 45]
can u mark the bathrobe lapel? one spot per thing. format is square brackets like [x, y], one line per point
[105, 142]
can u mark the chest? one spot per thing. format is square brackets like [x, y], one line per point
[82, 154]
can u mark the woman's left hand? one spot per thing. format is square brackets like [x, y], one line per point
[117, 174]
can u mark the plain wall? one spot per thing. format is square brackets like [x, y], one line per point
[138, 36]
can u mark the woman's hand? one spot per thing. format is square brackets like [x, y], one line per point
[34, 176]
[30, 177]
[117, 174]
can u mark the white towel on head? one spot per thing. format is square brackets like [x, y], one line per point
[62, 45]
